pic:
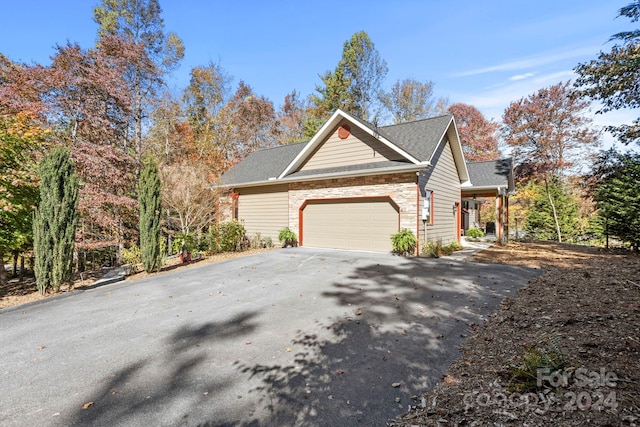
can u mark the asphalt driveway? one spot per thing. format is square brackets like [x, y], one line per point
[289, 337]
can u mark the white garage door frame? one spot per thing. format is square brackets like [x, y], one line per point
[386, 200]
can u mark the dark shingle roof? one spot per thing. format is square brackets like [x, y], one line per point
[262, 164]
[419, 138]
[491, 173]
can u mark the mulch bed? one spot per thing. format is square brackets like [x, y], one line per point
[580, 318]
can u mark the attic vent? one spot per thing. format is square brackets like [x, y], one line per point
[344, 131]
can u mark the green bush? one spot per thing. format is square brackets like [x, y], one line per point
[524, 373]
[232, 235]
[287, 237]
[438, 250]
[132, 255]
[404, 241]
[212, 240]
[474, 232]
[184, 241]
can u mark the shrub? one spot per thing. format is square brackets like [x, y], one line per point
[132, 255]
[212, 240]
[404, 241]
[535, 360]
[287, 237]
[184, 241]
[256, 241]
[232, 235]
[474, 233]
[437, 250]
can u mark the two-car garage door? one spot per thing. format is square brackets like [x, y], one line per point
[361, 224]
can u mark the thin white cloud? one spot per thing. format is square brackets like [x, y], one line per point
[532, 62]
[522, 76]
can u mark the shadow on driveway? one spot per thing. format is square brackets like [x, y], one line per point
[367, 334]
[407, 324]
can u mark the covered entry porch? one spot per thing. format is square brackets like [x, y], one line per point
[485, 203]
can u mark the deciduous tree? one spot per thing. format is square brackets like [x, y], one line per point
[477, 134]
[613, 77]
[139, 22]
[410, 100]
[188, 196]
[548, 131]
[291, 118]
[247, 123]
[20, 142]
[85, 92]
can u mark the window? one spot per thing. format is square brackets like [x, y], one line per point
[234, 205]
[427, 207]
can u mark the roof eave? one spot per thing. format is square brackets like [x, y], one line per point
[456, 150]
[324, 131]
[349, 174]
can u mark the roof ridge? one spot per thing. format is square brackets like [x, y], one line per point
[418, 121]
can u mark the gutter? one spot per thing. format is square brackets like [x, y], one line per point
[329, 175]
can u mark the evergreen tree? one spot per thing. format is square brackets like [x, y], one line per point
[618, 194]
[54, 224]
[149, 201]
[551, 199]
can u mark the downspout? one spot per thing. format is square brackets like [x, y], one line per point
[417, 216]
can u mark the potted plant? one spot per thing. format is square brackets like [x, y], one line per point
[185, 244]
[287, 237]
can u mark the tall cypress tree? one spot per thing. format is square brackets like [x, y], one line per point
[55, 220]
[149, 201]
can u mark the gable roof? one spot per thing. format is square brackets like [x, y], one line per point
[416, 142]
[262, 165]
[492, 174]
[326, 130]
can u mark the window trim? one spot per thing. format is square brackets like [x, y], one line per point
[429, 201]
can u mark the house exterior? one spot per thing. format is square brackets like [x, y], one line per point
[492, 182]
[354, 184]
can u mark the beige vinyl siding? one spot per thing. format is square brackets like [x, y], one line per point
[264, 210]
[358, 148]
[445, 184]
[359, 224]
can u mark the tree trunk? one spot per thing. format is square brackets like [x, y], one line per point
[553, 209]
[3, 274]
[15, 265]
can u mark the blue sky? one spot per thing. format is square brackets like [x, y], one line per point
[484, 53]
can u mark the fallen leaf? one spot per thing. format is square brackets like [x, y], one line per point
[87, 405]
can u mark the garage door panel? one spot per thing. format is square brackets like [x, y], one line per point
[363, 224]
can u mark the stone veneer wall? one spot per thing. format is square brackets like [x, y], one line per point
[402, 188]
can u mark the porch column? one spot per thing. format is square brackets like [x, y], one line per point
[499, 221]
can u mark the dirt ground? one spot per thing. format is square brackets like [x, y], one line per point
[580, 319]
